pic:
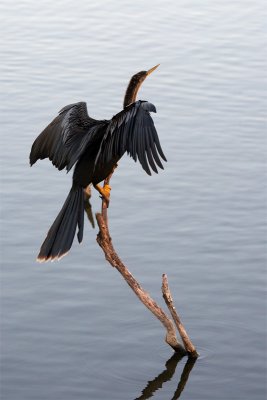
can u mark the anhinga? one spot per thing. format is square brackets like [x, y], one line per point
[95, 147]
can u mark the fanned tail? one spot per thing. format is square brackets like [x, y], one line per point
[61, 234]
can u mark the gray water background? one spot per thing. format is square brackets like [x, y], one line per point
[73, 329]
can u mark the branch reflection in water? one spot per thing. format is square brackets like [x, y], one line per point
[166, 375]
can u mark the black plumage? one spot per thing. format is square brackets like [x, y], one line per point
[94, 147]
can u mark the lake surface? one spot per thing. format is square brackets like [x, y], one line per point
[73, 329]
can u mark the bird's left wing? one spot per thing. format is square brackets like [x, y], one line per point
[133, 131]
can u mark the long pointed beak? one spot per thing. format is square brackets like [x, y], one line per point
[151, 70]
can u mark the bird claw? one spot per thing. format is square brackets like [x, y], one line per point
[107, 189]
[105, 193]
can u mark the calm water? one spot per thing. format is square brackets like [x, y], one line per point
[73, 329]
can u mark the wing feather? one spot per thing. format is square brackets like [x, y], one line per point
[149, 155]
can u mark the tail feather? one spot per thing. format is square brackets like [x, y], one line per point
[61, 234]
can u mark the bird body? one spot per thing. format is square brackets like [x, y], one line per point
[94, 147]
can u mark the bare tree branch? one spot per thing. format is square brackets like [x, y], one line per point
[105, 242]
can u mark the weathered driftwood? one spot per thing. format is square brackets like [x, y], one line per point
[105, 242]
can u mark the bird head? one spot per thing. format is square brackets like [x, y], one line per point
[135, 84]
[139, 78]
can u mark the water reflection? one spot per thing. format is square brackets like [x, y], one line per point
[166, 375]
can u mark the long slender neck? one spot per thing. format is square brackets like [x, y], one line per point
[132, 90]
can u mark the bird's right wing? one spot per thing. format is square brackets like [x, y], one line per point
[64, 140]
[133, 131]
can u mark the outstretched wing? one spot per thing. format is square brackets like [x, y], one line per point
[64, 140]
[133, 131]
